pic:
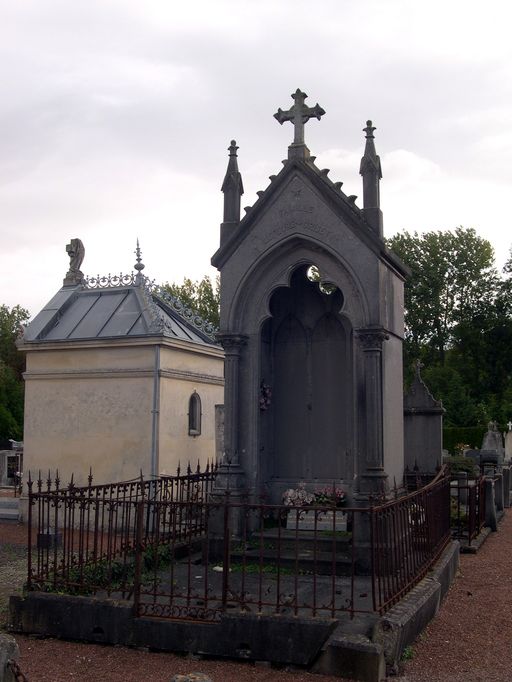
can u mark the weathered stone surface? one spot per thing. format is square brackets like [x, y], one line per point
[508, 445]
[191, 677]
[8, 650]
[493, 440]
[354, 656]
[423, 427]
[400, 626]
[490, 505]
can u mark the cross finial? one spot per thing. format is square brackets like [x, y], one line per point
[299, 114]
[369, 130]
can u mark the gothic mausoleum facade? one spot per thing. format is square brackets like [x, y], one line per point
[312, 328]
[120, 378]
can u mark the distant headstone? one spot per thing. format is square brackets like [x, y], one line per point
[490, 458]
[473, 454]
[508, 444]
[493, 440]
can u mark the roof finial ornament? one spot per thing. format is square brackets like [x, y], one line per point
[371, 171]
[369, 130]
[232, 188]
[139, 265]
[76, 252]
[299, 114]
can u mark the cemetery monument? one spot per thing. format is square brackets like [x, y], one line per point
[312, 328]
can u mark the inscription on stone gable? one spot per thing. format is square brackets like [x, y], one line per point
[295, 211]
[290, 223]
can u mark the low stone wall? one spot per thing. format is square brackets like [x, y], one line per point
[325, 645]
[400, 626]
[284, 640]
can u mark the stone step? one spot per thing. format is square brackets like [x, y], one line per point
[323, 540]
[9, 514]
[9, 508]
[305, 560]
[9, 503]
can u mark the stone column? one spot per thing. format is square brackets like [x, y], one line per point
[232, 344]
[490, 505]
[230, 480]
[372, 476]
[498, 491]
[506, 487]
[230, 474]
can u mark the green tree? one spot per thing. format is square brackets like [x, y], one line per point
[11, 326]
[12, 364]
[203, 296]
[446, 384]
[11, 404]
[453, 278]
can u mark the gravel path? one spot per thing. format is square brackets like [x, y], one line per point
[469, 639]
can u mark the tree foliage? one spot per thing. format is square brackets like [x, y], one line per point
[459, 323]
[203, 296]
[453, 278]
[12, 364]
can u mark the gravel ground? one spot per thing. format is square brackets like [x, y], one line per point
[469, 639]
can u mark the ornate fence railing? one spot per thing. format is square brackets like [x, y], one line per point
[467, 508]
[180, 552]
[408, 536]
[85, 536]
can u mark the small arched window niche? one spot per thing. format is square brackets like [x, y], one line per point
[194, 415]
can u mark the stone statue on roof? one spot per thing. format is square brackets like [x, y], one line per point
[76, 252]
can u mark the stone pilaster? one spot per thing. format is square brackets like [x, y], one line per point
[372, 476]
[230, 479]
[232, 344]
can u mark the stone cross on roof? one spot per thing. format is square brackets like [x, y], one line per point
[299, 114]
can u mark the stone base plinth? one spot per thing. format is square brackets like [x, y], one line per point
[305, 520]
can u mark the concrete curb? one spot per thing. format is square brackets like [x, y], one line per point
[402, 624]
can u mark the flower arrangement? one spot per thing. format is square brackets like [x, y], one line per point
[298, 497]
[330, 495]
[327, 496]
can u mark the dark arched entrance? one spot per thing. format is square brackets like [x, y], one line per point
[306, 429]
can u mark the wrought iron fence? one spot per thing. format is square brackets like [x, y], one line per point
[408, 536]
[467, 508]
[311, 562]
[179, 552]
[85, 536]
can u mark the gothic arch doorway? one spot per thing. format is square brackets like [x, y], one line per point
[306, 427]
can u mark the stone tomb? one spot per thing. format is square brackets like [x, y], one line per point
[423, 427]
[312, 328]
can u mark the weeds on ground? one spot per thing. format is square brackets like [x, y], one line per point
[407, 654]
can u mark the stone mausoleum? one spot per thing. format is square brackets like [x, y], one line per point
[120, 378]
[312, 328]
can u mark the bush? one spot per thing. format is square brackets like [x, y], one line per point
[471, 435]
[460, 465]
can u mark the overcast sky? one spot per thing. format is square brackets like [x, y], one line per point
[116, 115]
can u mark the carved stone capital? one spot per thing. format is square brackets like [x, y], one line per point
[372, 338]
[232, 343]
